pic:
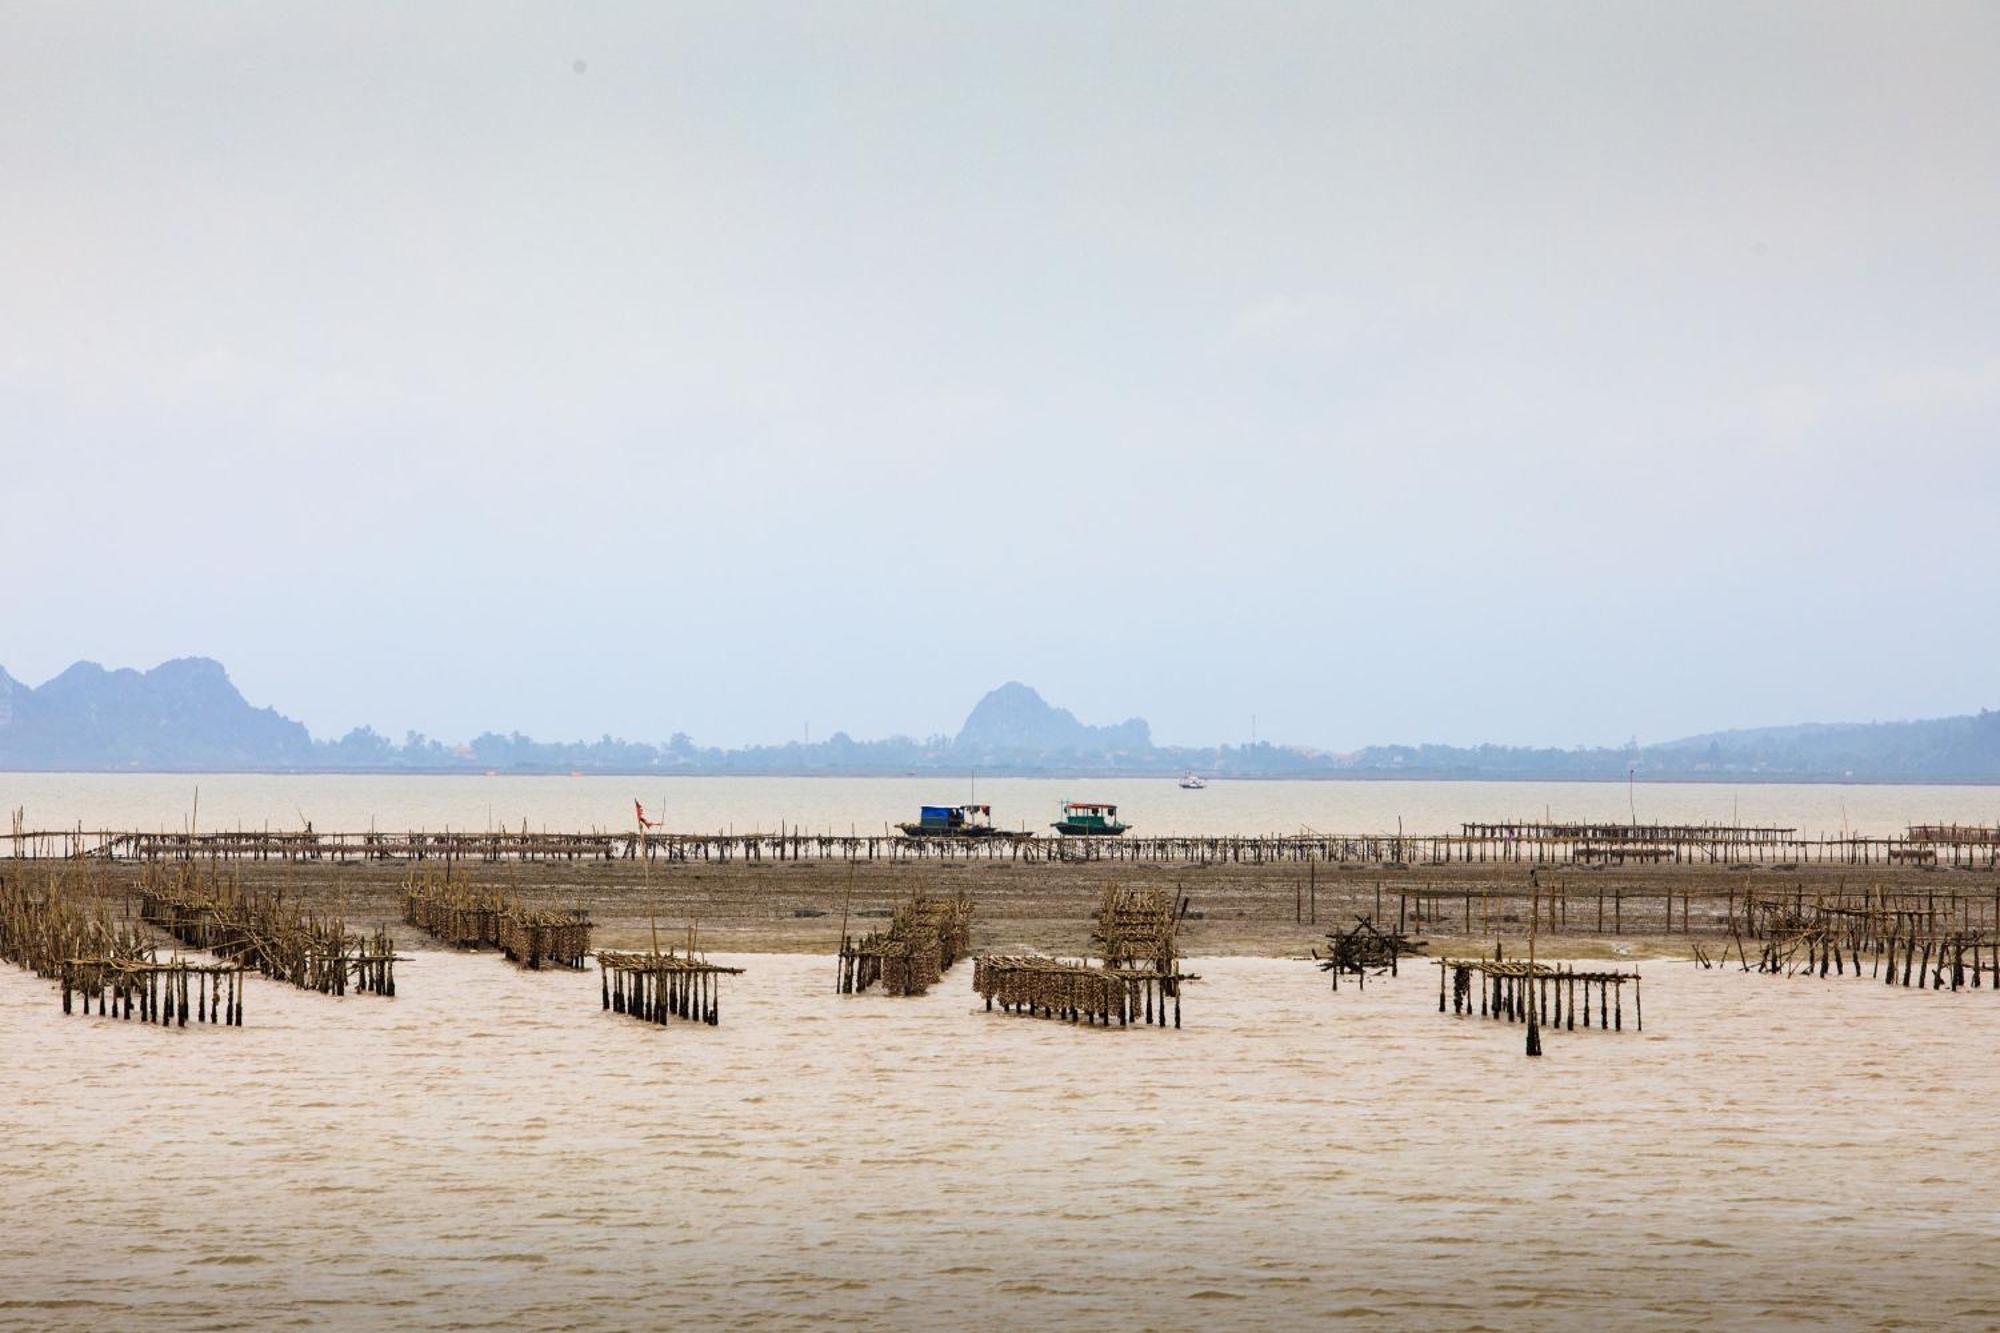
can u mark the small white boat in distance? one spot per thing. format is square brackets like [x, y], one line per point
[1193, 782]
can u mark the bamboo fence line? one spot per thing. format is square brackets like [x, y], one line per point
[40, 928]
[654, 987]
[1580, 844]
[925, 937]
[202, 907]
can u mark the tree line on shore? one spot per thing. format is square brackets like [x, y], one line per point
[186, 715]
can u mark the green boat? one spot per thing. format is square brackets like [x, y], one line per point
[1089, 819]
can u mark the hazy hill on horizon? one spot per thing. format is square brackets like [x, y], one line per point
[185, 715]
[182, 714]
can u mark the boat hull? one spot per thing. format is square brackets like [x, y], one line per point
[923, 831]
[1069, 830]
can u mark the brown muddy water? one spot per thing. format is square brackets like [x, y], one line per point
[491, 1150]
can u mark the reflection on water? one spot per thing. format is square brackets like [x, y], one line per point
[491, 1149]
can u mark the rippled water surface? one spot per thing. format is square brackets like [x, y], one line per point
[489, 1149]
[353, 802]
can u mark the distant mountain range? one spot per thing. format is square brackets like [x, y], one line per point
[186, 716]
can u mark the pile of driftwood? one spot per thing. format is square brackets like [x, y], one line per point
[465, 915]
[1136, 937]
[206, 909]
[1364, 949]
[110, 962]
[925, 937]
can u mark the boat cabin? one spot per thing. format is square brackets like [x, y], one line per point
[1089, 819]
[952, 821]
[952, 818]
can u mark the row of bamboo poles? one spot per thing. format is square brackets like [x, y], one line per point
[1901, 940]
[1527, 992]
[205, 907]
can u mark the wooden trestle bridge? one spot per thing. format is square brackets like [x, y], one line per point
[1725, 846]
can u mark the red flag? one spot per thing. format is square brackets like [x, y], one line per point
[643, 821]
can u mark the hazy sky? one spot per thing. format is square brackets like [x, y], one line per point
[1548, 373]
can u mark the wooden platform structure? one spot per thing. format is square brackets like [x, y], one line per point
[656, 986]
[1365, 948]
[1135, 934]
[1543, 843]
[1078, 991]
[925, 937]
[537, 939]
[453, 910]
[167, 993]
[1504, 992]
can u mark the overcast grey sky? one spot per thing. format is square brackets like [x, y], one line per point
[1546, 373]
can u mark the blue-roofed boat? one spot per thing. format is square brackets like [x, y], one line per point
[956, 821]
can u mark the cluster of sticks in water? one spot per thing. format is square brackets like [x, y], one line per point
[1364, 948]
[1901, 940]
[451, 908]
[925, 937]
[112, 962]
